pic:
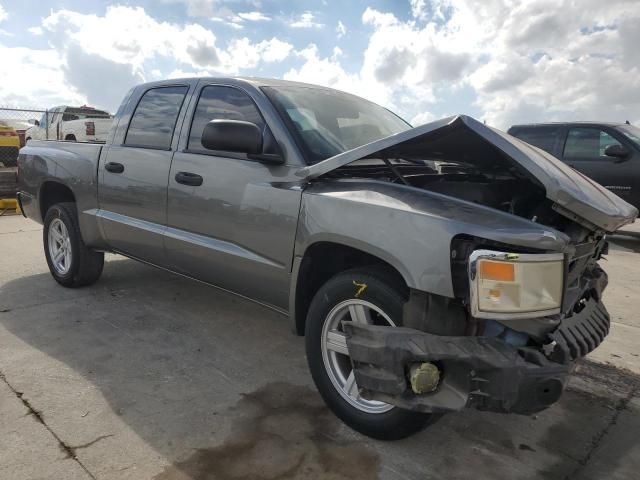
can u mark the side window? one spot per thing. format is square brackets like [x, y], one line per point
[217, 102]
[541, 137]
[67, 117]
[587, 143]
[154, 119]
[56, 115]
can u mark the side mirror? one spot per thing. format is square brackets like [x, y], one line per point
[35, 122]
[232, 136]
[616, 151]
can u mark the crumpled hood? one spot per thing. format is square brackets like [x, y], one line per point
[574, 194]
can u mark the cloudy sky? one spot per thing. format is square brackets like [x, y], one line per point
[502, 61]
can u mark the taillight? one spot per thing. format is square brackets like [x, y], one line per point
[9, 133]
[91, 128]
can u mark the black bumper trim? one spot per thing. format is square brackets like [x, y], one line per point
[581, 333]
[483, 372]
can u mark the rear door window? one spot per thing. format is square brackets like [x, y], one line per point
[587, 143]
[154, 119]
[221, 103]
[541, 137]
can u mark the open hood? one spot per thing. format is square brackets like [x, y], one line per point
[465, 140]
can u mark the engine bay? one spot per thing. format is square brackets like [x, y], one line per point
[502, 190]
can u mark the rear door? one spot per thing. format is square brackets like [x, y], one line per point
[547, 137]
[133, 172]
[236, 229]
[584, 150]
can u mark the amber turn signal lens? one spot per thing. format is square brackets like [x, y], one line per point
[500, 271]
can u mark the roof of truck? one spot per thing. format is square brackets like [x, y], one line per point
[254, 81]
[561, 124]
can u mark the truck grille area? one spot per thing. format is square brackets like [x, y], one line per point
[581, 272]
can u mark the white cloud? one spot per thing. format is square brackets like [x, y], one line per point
[233, 22]
[329, 72]
[39, 82]
[522, 61]
[422, 118]
[306, 20]
[247, 55]
[3, 14]
[510, 60]
[86, 71]
[550, 60]
[418, 8]
[254, 16]
[129, 35]
[120, 46]
[401, 60]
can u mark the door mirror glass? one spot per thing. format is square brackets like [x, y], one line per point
[616, 150]
[232, 136]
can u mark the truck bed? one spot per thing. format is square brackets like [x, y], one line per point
[74, 164]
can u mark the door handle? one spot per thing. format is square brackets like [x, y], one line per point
[114, 167]
[188, 178]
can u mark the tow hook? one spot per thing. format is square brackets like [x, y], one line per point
[424, 377]
[549, 348]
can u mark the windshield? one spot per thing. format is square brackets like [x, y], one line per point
[631, 132]
[328, 122]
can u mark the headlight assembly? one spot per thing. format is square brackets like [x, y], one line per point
[512, 285]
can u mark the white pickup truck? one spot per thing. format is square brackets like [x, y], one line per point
[78, 124]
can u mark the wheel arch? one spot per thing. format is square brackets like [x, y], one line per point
[321, 261]
[52, 192]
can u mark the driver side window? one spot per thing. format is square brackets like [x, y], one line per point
[587, 143]
[221, 103]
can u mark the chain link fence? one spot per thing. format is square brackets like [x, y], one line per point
[19, 125]
[15, 125]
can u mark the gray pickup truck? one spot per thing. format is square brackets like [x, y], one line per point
[430, 269]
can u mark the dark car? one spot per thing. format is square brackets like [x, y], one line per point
[608, 153]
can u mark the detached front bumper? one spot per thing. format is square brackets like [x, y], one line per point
[483, 372]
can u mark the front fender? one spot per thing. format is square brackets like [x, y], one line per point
[409, 228]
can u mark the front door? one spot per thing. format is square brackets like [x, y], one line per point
[133, 175]
[235, 226]
[584, 150]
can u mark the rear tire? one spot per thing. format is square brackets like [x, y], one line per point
[384, 298]
[70, 262]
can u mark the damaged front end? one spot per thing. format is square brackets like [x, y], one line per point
[507, 338]
[492, 364]
[498, 368]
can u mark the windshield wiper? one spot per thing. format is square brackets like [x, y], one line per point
[395, 171]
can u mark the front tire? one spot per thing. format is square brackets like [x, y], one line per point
[70, 262]
[369, 295]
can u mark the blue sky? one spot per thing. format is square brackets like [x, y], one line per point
[502, 61]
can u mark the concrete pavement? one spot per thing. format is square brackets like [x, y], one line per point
[148, 375]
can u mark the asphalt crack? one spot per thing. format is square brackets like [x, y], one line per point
[70, 452]
[621, 406]
[88, 444]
